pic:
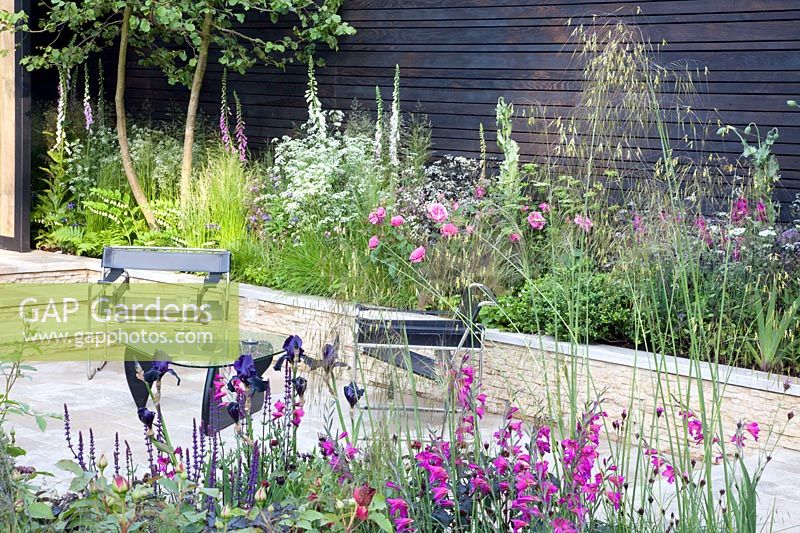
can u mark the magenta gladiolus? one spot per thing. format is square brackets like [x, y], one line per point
[437, 212]
[544, 207]
[536, 220]
[514, 237]
[753, 429]
[397, 221]
[374, 242]
[449, 230]
[417, 255]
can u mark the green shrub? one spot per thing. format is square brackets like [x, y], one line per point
[544, 305]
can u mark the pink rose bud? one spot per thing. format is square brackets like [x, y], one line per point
[374, 242]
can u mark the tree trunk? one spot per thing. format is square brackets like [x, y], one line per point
[122, 124]
[194, 101]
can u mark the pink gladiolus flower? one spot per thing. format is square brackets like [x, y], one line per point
[449, 230]
[437, 212]
[753, 429]
[279, 408]
[669, 474]
[403, 524]
[397, 507]
[585, 223]
[536, 220]
[738, 439]
[514, 237]
[351, 451]
[374, 242]
[417, 255]
[562, 525]
[615, 498]
[544, 207]
[377, 216]
[480, 192]
[397, 221]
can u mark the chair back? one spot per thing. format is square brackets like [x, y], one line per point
[473, 298]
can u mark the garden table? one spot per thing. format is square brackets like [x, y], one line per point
[264, 347]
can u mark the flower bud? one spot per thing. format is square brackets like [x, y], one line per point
[120, 485]
[102, 463]
[261, 495]
[226, 511]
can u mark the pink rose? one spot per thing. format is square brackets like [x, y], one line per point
[514, 237]
[417, 255]
[449, 230]
[544, 207]
[480, 192]
[374, 242]
[377, 216]
[536, 220]
[585, 223]
[437, 212]
[397, 221]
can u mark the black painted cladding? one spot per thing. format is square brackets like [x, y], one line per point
[458, 56]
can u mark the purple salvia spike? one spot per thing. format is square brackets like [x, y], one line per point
[252, 478]
[80, 451]
[92, 461]
[129, 462]
[211, 482]
[68, 432]
[195, 464]
[116, 453]
[149, 445]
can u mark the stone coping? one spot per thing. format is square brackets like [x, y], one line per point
[40, 261]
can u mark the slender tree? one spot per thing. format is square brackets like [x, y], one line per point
[197, 27]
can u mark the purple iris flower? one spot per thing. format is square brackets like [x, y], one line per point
[146, 416]
[293, 351]
[234, 411]
[159, 369]
[352, 393]
[245, 368]
[329, 361]
[300, 385]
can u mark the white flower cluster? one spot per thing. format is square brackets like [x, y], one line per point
[322, 177]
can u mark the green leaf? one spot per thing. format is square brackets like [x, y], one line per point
[70, 466]
[41, 422]
[40, 511]
[168, 484]
[382, 522]
[15, 451]
[81, 482]
[214, 493]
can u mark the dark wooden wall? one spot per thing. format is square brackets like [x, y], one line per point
[458, 56]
